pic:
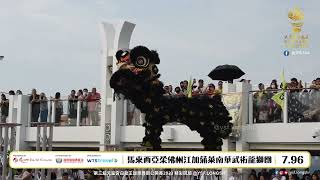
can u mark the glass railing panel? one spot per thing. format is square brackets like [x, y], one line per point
[265, 110]
[94, 113]
[133, 114]
[66, 112]
[304, 106]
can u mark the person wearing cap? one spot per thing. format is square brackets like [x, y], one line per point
[123, 58]
[124, 61]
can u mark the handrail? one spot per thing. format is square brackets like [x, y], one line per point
[83, 100]
[288, 89]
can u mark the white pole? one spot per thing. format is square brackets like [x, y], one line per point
[4, 153]
[251, 120]
[38, 146]
[29, 114]
[53, 114]
[125, 113]
[78, 112]
[49, 111]
[44, 146]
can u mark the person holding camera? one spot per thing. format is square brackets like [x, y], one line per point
[43, 108]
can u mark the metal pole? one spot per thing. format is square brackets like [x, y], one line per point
[125, 113]
[53, 115]
[49, 111]
[50, 137]
[78, 112]
[44, 146]
[4, 153]
[1, 139]
[37, 147]
[50, 147]
[12, 146]
[29, 115]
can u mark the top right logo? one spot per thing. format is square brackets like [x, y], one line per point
[296, 39]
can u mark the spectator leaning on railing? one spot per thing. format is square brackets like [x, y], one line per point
[4, 105]
[83, 109]
[219, 89]
[43, 108]
[58, 108]
[35, 105]
[200, 89]
[93, 100]
[260, 104]
[85, 118]
[72, 107]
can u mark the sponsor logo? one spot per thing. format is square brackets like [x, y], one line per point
[296, 42]
[15, 160]
[20, 160]
[73, 160]
[113, 160]
[58, 160]
[25, 160]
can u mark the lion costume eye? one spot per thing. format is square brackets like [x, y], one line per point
[142, 62]
[141, 57]
[155, 69]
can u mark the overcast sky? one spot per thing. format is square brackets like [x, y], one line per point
[55, 45]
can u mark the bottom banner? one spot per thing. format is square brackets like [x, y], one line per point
[158, 159]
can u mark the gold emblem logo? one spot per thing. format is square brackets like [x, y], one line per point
[296, 39]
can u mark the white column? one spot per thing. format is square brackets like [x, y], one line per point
[227, 143]
[49, 119]
[115, 36]
[12, 111]
[227, 146]
[78, 113]
[44, 146]
[23, 111]
[53, 112]
[4, 153]
[250, 109]
[241, 143]
[125, 113]
[29, 114]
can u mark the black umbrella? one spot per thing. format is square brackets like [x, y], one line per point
[226, 73]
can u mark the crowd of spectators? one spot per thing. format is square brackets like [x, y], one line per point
[265, 109]
[198, 88]
[89, 104]
[301, 102]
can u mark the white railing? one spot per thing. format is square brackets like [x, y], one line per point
[66, 112]
[300, 106]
